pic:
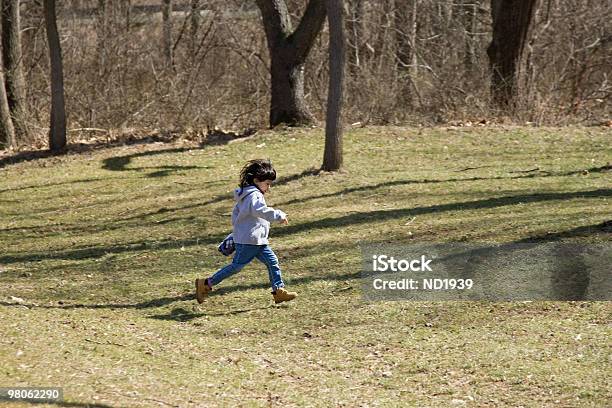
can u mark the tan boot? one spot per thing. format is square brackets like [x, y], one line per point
[281, 295]
[202, 289]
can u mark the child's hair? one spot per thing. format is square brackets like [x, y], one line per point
[259, 169]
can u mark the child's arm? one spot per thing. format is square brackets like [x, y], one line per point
[260, 209]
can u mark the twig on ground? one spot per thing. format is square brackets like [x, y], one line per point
[526, 171]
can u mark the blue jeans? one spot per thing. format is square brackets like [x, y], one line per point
[245, 253]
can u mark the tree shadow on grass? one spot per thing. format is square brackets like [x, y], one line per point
[324, 223]
[120, 163]
[603, 228]
[180, 314]
[221, 198]
[100, 251]
[89, 180]
[149, 304]
[213, 137]
[565, 275]
[382, 215]
[600, 169]
[161, 210]
[190, 296]
[314, 172]
[78, 148]
[164, 171]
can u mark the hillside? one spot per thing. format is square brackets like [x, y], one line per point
[100, 250]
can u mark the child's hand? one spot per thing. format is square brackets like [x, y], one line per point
[285, 221]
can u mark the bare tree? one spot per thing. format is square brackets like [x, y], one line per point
[405, 13]
[7, 131]
[511, 22]
[332, 157]
[57, 130]
[102, 32]
[13, 64]
[167, 31]
[354, 24]
[128, 14]
[468, 16]
[194, 27]
[288, 52]
[405, 22]
[565, 60]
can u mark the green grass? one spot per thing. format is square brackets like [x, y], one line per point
[99, 253]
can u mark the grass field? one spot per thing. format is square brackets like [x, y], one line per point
[99, 252]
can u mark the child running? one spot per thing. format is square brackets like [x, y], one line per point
[251, 220]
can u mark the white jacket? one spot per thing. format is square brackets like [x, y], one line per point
[251, 217]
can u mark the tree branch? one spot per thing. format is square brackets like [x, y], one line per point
[310, 25]
[276, 20]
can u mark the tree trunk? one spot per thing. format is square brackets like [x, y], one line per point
[102, 23]
[404, 20]
[57, 131]
[128, 15]
[288, 52]
[13, 66]
[7, 131]
[167, 31]
[287, 80]
[468, 15]
[355, 29]
[194, 28]
[414, 68]
[405, 24]
[511, 22]
[332, 157]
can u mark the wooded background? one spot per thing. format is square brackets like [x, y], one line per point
[407, 62]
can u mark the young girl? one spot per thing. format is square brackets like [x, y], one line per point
[251, 220]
